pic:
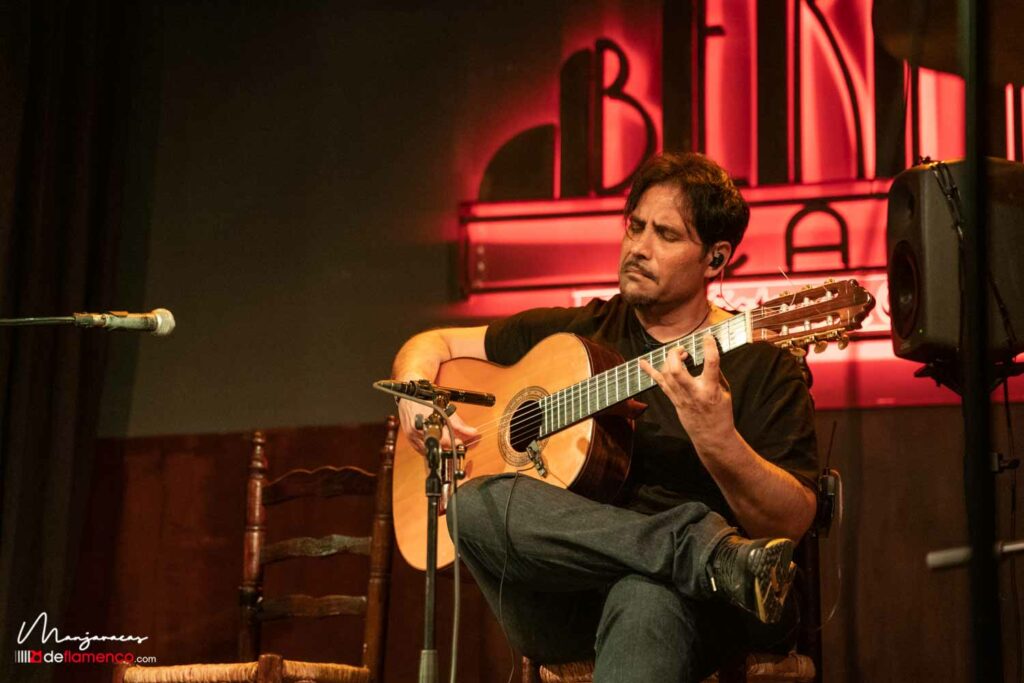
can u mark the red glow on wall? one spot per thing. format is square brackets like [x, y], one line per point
[864, 375]
[867, 375]
[550, 252]
[555, 243]
[791, 105]
[941, 119]
[624, 134]
[855, 37]
[479, 211]
[828, 220]
[731, 88]
[908, 121]
[827, 114]
[1011, 151]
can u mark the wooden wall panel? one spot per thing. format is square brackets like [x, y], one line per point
[162, 556]
[896, 620]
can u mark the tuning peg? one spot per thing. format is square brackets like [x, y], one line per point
[798, 351]
[820, 346]
[844, 341]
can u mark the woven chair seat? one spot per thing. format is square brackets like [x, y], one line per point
[192, 673]
[246, 672]
[762, 668]
[298, 672]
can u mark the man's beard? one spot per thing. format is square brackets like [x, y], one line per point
[636, 297]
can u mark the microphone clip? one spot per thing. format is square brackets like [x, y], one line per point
[425, 391]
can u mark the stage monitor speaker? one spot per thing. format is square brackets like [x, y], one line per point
[924, 262]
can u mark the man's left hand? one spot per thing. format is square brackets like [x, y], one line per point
[703, 403]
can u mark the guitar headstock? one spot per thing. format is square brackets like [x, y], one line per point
[816, 315]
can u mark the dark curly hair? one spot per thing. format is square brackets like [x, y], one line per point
[713, 204]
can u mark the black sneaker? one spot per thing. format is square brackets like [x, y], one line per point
[754, 575]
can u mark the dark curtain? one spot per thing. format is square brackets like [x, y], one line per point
[63, 80]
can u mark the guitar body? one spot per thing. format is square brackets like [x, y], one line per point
[590, 458]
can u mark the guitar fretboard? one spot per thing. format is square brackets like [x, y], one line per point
[583, 399]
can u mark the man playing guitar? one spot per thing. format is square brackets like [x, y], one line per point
[724, 453]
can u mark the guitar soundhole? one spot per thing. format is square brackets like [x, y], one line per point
[521, 423]
[524, 427]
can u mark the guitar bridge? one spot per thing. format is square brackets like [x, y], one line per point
[533, 451]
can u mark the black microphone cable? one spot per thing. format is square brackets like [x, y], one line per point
[453, 510]
[501, 581]
[1014, 592]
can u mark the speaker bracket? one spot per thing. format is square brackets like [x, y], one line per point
[947, 373]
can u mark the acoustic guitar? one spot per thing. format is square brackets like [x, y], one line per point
[559, 413]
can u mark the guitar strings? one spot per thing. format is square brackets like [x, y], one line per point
[528, 421]
[531, 419]
[582, 394]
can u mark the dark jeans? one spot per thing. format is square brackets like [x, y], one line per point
[584, 580]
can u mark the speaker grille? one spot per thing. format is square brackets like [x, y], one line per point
[904, 289]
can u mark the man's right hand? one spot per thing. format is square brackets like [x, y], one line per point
[407, 412]
[422, 356]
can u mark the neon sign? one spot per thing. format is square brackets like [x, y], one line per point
[794, 98]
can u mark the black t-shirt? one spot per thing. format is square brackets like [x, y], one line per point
[772, 407]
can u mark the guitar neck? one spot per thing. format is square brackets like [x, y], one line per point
[584, 399]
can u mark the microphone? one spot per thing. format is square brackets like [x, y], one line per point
[426, 391]
[159, 322]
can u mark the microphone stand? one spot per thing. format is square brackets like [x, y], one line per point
[442, 400]
[431, 428]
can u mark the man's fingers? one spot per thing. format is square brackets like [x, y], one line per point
[671, 373]
[676, 369]
[673, 360]
[652, 372]
[711, 357]
[460, 426]
[677, 360]
[464, 433]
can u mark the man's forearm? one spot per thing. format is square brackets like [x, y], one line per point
[420, 357]
[767, 500]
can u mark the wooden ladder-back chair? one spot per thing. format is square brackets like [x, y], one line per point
[324, 482]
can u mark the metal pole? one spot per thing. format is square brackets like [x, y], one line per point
[431, 427]
[979, 481]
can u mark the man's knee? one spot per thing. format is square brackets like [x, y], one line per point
[480, 502]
